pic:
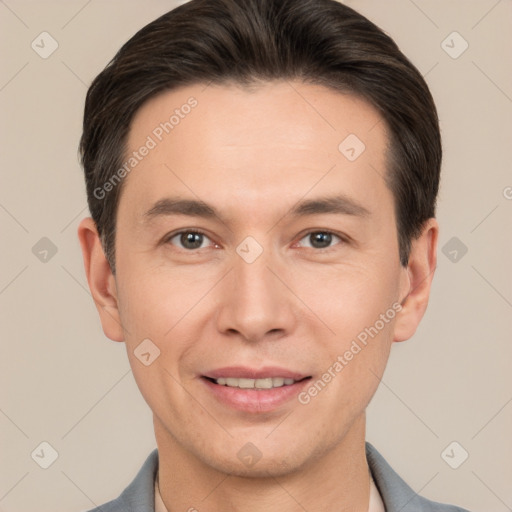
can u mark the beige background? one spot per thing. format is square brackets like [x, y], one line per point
[62, 381]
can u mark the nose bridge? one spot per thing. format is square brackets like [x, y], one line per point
[255, 301]
[254, 281]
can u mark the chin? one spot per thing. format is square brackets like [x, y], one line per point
[249, 461]
[266, 467]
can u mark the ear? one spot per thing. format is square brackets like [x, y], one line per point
[101, 280]
[417, 280]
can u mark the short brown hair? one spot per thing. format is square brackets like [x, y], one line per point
[245, 41]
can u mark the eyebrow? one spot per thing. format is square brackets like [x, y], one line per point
[339, 204]
[177, 206]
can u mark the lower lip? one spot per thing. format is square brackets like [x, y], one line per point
[255, 400]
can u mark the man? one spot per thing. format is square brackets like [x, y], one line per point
[262, 178]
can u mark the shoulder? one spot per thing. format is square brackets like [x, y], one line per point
[112, 506]
[395, 493]
[139, 496]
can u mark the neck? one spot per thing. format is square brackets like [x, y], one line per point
[338, 480]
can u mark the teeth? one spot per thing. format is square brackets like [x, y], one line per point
[268, 383]
[277, 382]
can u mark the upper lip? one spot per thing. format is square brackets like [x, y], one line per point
[244, 372]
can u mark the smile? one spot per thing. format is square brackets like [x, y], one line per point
[244, 383]
[254, 390]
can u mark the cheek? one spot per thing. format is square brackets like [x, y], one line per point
[171, 309]
[349, 298]
[162, 309]
[155, 303]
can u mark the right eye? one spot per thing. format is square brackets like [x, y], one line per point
[189, 240]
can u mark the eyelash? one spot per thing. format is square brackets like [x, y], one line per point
[343, 239]
[167, 239]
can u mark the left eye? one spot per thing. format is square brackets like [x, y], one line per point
[189, 240]
[320, 239]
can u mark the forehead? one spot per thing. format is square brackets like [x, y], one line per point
[254, 148]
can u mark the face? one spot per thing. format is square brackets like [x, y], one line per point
[257, 250]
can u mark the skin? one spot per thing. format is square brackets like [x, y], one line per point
[253, 155]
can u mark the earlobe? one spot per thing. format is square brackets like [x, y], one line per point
[417, 281]
[101, 280]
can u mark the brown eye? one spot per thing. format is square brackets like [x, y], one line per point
[320, 239]
[189, 240]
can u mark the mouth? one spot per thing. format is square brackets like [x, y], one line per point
[254, 391]
[244, 383]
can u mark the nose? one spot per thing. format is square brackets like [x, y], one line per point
[254, 301]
